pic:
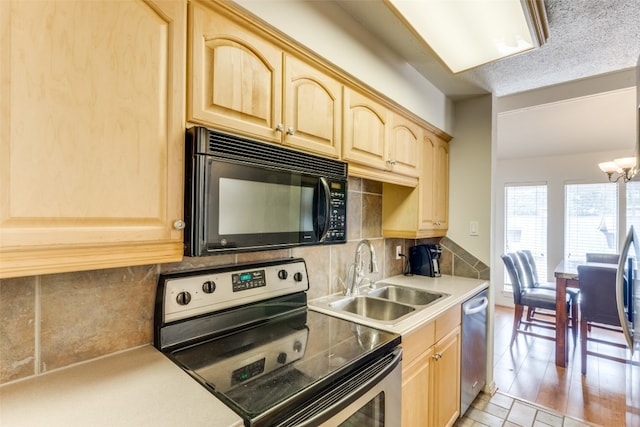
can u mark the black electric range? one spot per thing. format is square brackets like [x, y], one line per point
[245, 333]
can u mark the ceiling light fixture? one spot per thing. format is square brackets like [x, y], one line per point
[624, 167]
[467, 33]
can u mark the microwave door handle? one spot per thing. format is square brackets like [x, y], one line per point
[327, 207]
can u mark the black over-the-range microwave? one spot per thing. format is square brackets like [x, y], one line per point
[246, 195]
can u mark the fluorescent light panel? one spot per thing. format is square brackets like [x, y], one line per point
[469, 33]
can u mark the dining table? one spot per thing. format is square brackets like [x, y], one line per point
[566, 275]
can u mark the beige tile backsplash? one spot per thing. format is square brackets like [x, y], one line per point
[48, 322]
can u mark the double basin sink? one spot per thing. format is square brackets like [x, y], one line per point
[384, 302]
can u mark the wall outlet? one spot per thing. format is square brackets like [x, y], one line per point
[398, 251]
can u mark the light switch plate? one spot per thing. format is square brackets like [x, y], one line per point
[473, 228]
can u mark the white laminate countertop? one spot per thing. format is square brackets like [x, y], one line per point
[142, 387]
[460, 289]
[139, 387]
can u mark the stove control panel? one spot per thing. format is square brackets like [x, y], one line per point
[250, 280]
[199, 292]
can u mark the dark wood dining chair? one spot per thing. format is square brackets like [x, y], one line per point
[526, 296]
[598, 309]
[529, 269]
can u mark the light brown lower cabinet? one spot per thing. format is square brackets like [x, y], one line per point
[445, 380]
[431, 373]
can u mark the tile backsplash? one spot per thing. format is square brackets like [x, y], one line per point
[52, 321]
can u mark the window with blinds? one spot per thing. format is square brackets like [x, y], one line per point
[591, 219]
[526, 223]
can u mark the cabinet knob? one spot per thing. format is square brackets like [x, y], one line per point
[179, 224]
[280, 127]
[291, 131]
[437, 356]
[391, 162]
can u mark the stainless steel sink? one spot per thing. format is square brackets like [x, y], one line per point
[406, 295]
[372, 308]
[383, 302]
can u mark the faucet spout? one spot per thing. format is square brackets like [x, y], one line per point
[355, 279]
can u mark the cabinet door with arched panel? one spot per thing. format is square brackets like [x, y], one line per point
[404, 146]
[235, 79]
[366, 125]
[312, 109]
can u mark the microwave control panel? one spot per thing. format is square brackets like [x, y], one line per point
[338, 213]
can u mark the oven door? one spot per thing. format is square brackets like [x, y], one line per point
[371, 398]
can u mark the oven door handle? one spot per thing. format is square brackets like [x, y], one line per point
[337, 399]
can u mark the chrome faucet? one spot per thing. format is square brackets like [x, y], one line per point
[356, 274]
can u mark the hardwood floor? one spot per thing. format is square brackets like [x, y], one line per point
[608, 395]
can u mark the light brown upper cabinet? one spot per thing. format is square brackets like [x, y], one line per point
[378, 143]
[236, 85]
[235, 81]
[366, 126]
[404, 146]
[91, 134]
[312, 109]
[423, 211]
[435, 210]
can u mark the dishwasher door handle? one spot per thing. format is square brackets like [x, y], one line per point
[468, 310]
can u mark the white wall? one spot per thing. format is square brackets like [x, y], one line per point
[470, 176]
[327, 30]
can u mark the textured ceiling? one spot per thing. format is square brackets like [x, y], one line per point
[586, 38]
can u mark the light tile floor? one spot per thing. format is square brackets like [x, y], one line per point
[502, 410]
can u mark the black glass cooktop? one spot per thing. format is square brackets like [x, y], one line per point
[278, 363]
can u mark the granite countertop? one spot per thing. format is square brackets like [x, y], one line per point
[459, 289]
[139, 387]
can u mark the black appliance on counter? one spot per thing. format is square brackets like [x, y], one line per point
[246, 195]
[244, 332]
[425, 260]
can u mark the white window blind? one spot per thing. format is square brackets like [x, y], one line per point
[633, 205]
[591, 219]
[526, 223]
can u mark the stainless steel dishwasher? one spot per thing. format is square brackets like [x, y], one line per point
[473, 373]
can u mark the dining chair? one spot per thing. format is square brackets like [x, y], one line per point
[598, 309]
[526, 296]
[530, 271]
[602, 257]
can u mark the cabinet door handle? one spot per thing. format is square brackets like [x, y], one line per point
[179, 224]
[291, 131]
[391, 162]
[437, 356]
[280, 127]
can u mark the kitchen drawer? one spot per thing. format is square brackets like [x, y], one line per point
[417, 342]
[447, 322]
